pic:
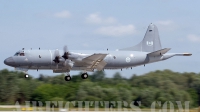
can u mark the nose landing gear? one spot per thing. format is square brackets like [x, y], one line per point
[26, 76]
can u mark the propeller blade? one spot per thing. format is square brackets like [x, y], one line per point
[56, 53]
[56, 60]
[56, 56]
[65, 49]
[57, 66]
[66, 53]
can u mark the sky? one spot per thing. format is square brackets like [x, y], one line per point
[101, 24]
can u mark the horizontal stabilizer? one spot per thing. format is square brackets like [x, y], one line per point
[183, 54]
[159, 52]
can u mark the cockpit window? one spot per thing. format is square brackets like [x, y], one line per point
[16, 54]
[19, 54]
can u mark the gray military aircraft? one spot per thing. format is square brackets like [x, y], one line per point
[149, 50]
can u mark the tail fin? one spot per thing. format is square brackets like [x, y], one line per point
[150, 42]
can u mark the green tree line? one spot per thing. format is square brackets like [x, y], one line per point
[161, 86]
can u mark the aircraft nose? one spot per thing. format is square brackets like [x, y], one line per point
[9, 61]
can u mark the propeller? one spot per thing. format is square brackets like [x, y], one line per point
[56, 57]
[66, 53]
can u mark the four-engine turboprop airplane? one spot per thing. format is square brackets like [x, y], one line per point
[149, 50]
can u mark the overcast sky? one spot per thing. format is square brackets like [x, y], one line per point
[101, 24]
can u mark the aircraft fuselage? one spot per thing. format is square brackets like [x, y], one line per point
[43, 59]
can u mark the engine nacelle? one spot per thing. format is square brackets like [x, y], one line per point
[68, 63]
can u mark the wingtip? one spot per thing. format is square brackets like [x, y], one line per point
[187, 54]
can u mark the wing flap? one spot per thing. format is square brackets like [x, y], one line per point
[159, 52]
[101, 65]
[95, 61]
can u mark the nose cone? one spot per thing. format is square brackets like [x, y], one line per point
[9, 61]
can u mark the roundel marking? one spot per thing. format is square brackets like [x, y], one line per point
[128, 59]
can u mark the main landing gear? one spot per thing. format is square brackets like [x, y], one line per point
[84, 76]
[67, 77]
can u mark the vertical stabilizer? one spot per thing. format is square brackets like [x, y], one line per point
[151, 41]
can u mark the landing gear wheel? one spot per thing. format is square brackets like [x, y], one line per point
[26, 76]
[67, 78]
[84, 76]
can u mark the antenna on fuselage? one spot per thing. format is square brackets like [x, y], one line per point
[39, 48]
[22, 48]
[107, 49]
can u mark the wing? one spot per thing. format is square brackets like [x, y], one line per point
[95, 61]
